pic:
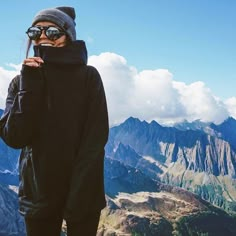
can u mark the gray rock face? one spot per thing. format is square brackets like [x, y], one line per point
[195, 149]
[199, 157]
[11, 222]
[121, 178]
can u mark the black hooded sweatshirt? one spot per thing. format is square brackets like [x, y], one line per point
[57, 115]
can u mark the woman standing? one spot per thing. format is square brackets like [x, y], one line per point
[56, 113]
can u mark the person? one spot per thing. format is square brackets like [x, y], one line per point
[56, 113]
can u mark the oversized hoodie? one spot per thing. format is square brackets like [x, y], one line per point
[57, 115]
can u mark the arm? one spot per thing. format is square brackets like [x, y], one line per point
[12, 91]
[22, 108]
[96, 127]
[87, 181]
[91, 152]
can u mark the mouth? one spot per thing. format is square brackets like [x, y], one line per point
[46, 44]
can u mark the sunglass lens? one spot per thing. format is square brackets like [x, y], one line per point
[34, 33]
[53, 33]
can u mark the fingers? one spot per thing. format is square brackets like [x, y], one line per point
[33, 61]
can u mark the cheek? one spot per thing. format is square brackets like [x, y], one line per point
[35, 42]
[61, 42]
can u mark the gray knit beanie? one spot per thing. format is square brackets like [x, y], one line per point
[62, 16]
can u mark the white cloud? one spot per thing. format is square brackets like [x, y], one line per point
[231, 106]
[147, 95]
[5, 77]
[154, 95]
[118, 80]
[200, 103]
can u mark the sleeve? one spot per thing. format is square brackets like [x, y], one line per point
[96, 127]
[22, 108]
[87, 182]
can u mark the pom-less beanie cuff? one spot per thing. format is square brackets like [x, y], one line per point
[62, 16]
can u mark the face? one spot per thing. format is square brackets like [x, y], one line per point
[43, 40]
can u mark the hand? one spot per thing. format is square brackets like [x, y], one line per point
[33, 61]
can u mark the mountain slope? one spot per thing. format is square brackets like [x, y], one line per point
[8, 164]
[227, 131]
[121, 178]
[179, 156]
[171, 211]
[11, 222]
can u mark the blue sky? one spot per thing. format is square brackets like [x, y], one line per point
[195, 40]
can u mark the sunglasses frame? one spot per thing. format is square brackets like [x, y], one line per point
[53, 36]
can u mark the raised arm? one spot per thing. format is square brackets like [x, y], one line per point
[22, 108]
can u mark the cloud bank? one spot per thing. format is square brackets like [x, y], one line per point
[6, 75]
[155, 95]
[148, 94]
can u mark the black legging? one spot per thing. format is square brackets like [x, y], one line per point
[52, 227]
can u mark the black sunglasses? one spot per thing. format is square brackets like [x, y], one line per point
[52, 32]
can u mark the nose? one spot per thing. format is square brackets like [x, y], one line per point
[43, 35]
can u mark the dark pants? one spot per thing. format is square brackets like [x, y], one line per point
[52, 227]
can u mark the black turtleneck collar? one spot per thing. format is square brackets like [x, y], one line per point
[73, 53]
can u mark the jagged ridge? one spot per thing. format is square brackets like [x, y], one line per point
[180, 157]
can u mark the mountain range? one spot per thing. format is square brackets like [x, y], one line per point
[160, 180]
[139, 205]
[11, 223]
[200, 159]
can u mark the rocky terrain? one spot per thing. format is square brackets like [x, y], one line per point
[171, 211]
[11, 222]
[200, 158]
[159, 209]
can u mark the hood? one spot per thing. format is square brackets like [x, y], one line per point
[73, 53]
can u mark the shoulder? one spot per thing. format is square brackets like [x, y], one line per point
[92, 69]
[93, 73]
